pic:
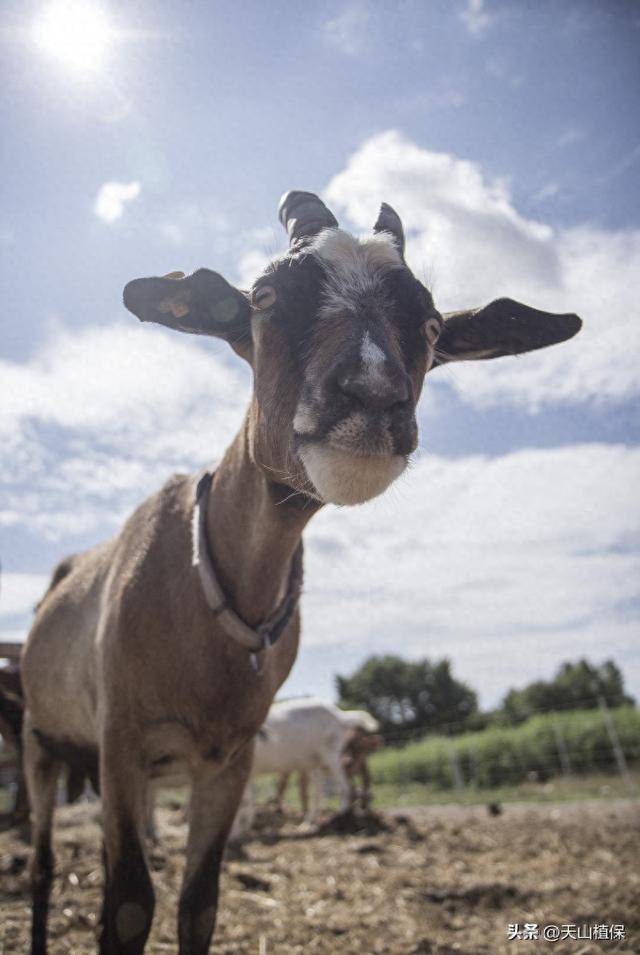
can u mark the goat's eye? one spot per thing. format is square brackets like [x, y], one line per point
[432, 328]
[263, 297]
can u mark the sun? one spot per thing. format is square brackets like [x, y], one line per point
[76, 33]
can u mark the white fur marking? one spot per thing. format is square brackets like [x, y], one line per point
[373, 362]
[353, 267]
[340, 251]
[304, 421]
[340, 477]
[372, 356]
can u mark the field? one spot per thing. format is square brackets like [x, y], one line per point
[412, 795]
[505, 756]
[435, 881]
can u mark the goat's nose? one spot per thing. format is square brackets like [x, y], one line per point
[375, 392]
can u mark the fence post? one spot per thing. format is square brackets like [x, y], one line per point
[618, 751]
[456, 772]
[562, 749]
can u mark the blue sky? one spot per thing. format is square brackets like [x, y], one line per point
[506, 134]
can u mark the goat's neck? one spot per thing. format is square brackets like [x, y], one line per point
[253, 533]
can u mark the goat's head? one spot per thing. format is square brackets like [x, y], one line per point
[340, 335]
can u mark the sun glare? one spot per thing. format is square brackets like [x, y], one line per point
[77, 33]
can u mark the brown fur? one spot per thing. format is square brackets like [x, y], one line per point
[209, 695]
[357, 749]
[152, 676]
[61, 570]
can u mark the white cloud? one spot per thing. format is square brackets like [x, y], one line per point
[347, 31]
[507, 565]
[470, 243]
[20, 593]
[549, 191]
[251, 264]
[193, 227]
[13, 636]
[262, 245]
[474, 17]
[112, 198]
[100, 417]
[93, 379]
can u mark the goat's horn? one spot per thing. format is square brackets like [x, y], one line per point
[303, 214]
[389, 221]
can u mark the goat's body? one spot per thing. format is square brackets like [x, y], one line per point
[306, 736]
[59, 661]
[126, 603]
[297, 735]
[126, 666]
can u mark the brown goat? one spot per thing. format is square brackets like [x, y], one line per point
[11, 715]
[357, 749]
[11, 729]
[139, 662]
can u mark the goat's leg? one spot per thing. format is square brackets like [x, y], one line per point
[41, 774]
[128, 897]
[215, 797]
[281, 788]
[20, 817]
[303, 784]
[366, 784]
[316, 774]
[334, 768]
[244, 817]
[151, 832]
[353, 789]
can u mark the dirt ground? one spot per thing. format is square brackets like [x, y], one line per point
[436, 882]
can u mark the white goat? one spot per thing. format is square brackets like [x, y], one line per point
[305, 735]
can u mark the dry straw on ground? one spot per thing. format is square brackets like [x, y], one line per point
[436, 883]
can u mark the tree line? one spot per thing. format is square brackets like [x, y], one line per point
[413, 697]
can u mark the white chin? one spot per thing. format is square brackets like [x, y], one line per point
[343, 478]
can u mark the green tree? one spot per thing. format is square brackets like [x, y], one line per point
[405, 696]
[576, 686]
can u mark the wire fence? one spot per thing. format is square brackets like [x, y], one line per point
[566, 743]
[567, 740]
[404, 734]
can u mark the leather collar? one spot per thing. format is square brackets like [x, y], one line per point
[269, 631]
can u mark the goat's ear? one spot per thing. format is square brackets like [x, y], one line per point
[203, 303]
[503, 327]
